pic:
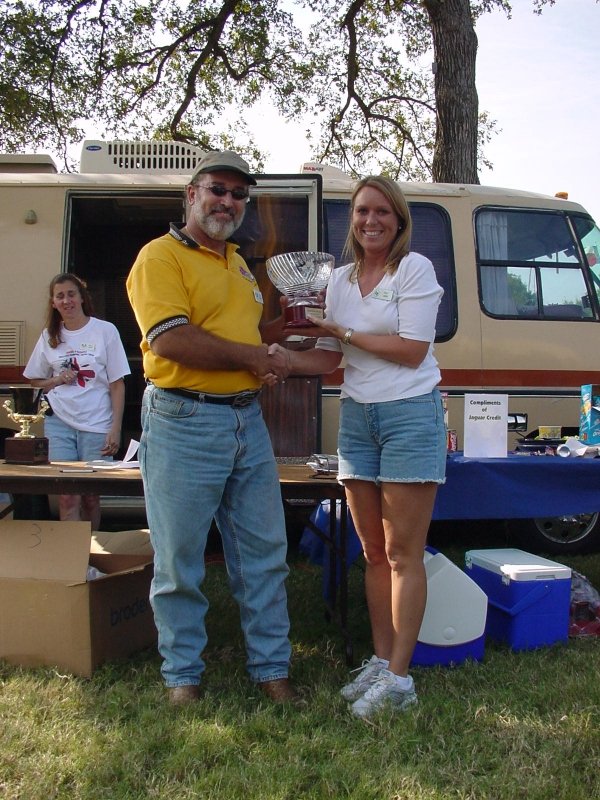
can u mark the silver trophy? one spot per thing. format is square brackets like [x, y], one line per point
[301, 277]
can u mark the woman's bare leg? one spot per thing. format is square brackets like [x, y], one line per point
[406, 514]
[90, 510]
[77, 508]
[364, 502]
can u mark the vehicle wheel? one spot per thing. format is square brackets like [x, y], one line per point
[577, 533]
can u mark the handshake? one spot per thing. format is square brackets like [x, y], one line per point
[276, 364]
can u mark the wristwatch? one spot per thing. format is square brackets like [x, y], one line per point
[347, 336]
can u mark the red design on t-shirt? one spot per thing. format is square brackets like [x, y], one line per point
[83, 374]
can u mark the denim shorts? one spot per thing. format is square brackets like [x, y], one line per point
[400, 441]
[68, 444]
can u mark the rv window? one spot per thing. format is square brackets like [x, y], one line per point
[336, 220]
[431, 237]
[529, 265]
[589, 234]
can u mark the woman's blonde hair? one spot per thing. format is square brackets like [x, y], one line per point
[53, 317]
[401, 244]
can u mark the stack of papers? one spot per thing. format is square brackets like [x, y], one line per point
[127, 463]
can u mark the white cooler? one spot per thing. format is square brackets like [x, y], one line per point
[453, 627]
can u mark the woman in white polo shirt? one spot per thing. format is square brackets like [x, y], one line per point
[380, 315]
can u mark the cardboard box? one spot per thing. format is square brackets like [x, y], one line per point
[528, 596]
[589, 417]
[51, 615]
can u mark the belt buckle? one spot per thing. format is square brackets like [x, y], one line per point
[243, 399]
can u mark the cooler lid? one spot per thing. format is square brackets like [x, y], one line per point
[517, 564]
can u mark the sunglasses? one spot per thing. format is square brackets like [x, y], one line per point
[221, 191]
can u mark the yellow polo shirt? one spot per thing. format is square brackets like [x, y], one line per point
[170, 281]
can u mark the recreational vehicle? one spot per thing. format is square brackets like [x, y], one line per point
[520, 273]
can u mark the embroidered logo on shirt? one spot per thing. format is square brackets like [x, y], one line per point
[245, 273]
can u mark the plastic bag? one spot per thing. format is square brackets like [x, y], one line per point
[584, 617]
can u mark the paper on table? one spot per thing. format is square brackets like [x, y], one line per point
[126, 463]
[573, 447]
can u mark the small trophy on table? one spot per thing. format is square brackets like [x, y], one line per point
[301, 276]
[24, 409]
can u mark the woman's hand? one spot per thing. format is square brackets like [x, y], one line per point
[65, 377]
[111, 443]
[308, 331]
[330, 327]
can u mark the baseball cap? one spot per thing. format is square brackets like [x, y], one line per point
[223, 160]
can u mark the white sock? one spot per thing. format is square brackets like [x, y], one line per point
[405, 682]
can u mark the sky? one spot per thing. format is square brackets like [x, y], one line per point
[539, 78]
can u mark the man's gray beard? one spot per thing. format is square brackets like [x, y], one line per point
[220, 230]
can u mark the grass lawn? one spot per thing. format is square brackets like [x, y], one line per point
[517, 725]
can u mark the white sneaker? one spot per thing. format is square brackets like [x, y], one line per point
[368, 672]
[384, 692]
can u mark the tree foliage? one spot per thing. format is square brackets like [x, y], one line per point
[190, 71]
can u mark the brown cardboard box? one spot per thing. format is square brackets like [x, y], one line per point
[121, 542]
[51, 615]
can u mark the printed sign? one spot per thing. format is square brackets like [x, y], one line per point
[486, 432]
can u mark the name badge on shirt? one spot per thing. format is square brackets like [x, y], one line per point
[383, 294]
[258, 296]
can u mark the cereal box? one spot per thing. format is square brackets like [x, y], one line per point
[589, 418]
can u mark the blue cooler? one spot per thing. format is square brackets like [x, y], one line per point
[528, 596]
[453, 627]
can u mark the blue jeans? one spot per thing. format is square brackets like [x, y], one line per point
[201, 461]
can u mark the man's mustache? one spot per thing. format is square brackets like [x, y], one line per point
[223, 210]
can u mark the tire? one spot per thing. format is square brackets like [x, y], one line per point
[577, 533]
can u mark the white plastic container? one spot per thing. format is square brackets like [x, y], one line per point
[453, 626]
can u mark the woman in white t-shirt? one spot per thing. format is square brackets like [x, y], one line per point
[79, 363]
[380, 315]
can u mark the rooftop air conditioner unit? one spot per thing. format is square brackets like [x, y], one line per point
[147, 157]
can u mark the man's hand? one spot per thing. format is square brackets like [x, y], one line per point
[273, 365]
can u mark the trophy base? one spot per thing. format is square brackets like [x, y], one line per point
[301, 316]
[26, 451]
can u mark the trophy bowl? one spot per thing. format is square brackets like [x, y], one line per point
[25, 400]
[301, 276]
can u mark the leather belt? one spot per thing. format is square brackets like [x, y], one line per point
[240, 400]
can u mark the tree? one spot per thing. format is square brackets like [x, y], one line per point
[137, 67]
[175, 70]
[455, 53]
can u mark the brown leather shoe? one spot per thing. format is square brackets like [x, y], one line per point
[183, 695]
[280, 691]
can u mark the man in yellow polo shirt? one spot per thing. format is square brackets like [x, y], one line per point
[205, 451]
